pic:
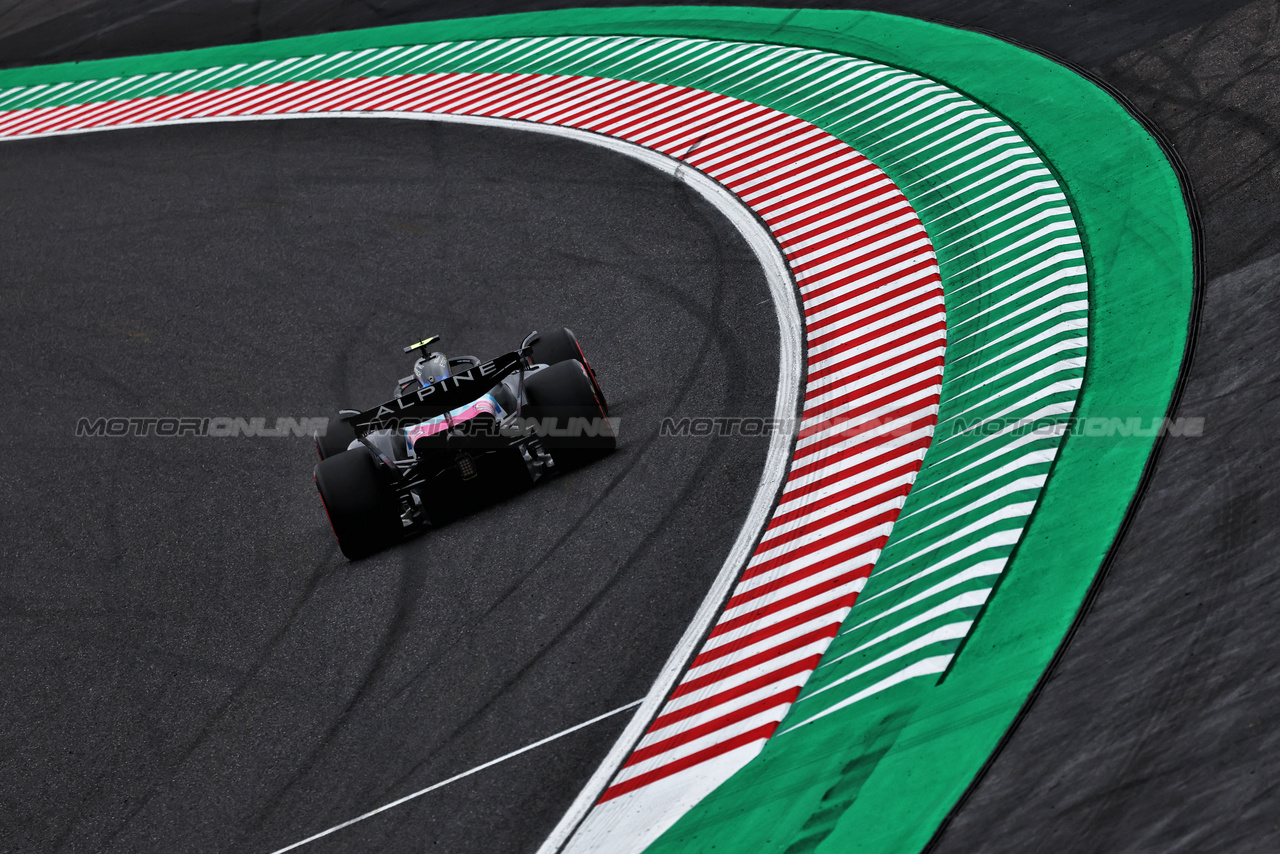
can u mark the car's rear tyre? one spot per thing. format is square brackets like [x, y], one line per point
[362, 509]
[563, 398]
[561, 345]
[337, 436]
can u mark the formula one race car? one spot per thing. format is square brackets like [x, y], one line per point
[459, 433]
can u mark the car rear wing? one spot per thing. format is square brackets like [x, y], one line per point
[439, 397]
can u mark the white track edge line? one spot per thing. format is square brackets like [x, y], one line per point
[481, 767]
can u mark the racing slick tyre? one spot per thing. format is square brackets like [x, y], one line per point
[563, 398]
[336, 438]
[561, 345]
[361, 509]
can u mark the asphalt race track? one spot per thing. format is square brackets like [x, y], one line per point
[188, 664]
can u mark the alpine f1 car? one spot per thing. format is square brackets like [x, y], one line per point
[459, 433]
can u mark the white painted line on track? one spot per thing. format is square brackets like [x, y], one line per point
[456, 777]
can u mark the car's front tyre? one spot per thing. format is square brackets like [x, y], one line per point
[337, 436]
[561, 345]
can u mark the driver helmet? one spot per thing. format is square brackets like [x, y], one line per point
[431, 369]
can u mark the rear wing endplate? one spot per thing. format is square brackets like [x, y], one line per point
[439, 397]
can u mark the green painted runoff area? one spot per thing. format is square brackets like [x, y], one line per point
[881, 775]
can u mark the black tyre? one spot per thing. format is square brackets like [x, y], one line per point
[362, 509]
[337, 437]
[564, 398]
[561, 345]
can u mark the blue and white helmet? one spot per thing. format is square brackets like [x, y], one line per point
[431, 369]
